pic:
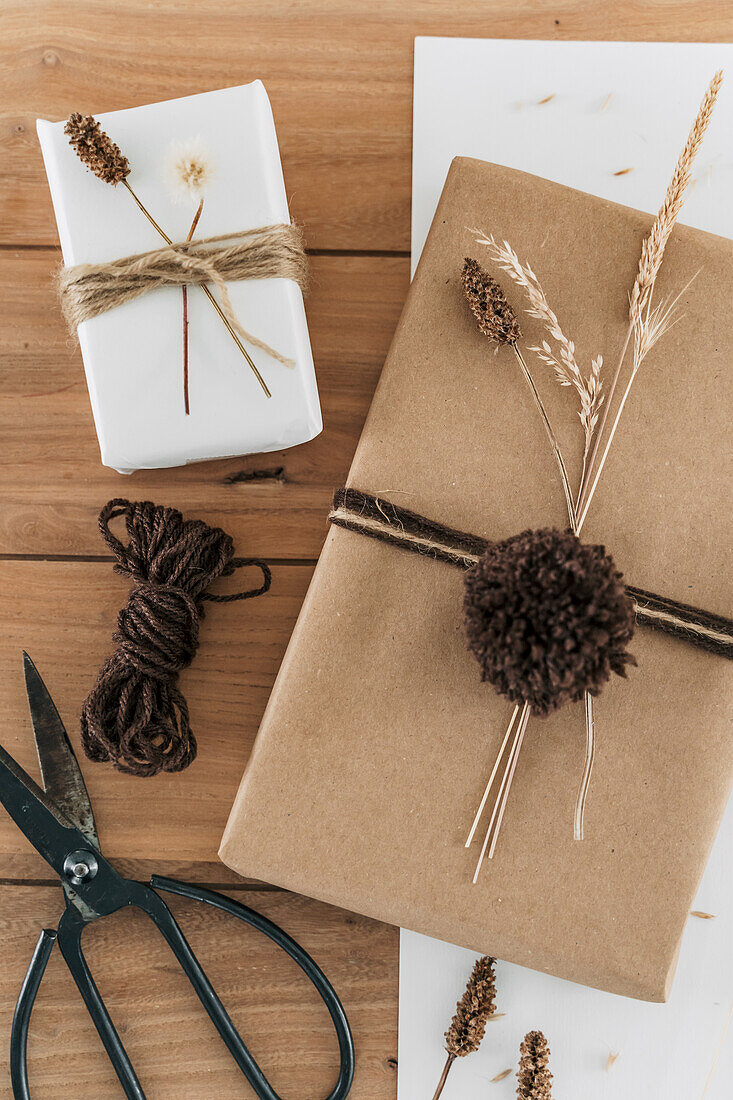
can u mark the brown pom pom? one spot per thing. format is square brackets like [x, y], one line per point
[496, 318]
[96, 149]
[473, 1010]
[547, 618]
[534, 1077]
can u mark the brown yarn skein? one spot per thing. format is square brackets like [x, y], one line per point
[135, 715]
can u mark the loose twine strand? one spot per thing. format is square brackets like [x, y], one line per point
[272, 252]
[135, 715]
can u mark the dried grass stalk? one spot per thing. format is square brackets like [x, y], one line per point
[647, 324]
[563, 362]
[653, 248]
[497, 320]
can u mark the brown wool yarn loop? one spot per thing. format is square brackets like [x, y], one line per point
[135, 715]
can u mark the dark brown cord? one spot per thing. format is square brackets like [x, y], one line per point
[380, 519]
[135, 715]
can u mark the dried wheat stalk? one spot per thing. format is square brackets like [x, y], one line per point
[647, 324]
[653, 248]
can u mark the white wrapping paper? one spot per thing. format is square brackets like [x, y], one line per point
[133, 354]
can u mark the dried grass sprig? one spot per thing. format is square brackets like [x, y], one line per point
[96, 149]
[189, 170]
[497, 320]
[534, 1077]
[563, 362]
[646, 325]
[652, 251]
[472, 1013]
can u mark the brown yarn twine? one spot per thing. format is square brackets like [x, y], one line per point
[378, 518]
[135, 715]
[271, 252]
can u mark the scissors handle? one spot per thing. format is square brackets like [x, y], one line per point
[22, 1014]
[69, 936]
[219, 1016]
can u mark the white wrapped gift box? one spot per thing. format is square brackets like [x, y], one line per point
[133, 354]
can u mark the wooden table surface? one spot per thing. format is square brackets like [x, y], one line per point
[339, 74]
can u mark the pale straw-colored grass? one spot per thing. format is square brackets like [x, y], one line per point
[647, 324]
[563, 361]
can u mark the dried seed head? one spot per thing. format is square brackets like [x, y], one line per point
[96, 149]
[189, 170]
[496, 318]
[534, 1077]
[473, 1010]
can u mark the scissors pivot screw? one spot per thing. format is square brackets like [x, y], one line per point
[80, 867]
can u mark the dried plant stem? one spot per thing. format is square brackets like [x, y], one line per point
[598, 435]
[497, 816]
[653, 248]
[590, 752]
[550, 435]
[184, 295]
[522, 729]
[641, 318]
[492, 777]
[208, 294]
[444, 1075]
[564, 364]
[589, 496]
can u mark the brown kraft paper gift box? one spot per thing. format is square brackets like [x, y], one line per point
[379, 736]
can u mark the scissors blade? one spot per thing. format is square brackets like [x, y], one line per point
[60, 771]
[36, 815]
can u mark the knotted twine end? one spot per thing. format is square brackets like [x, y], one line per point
[135, 715]
[269, 252]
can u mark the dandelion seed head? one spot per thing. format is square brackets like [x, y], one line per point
[189, 170]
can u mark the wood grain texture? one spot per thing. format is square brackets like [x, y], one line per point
[172, 1044]
[339, 75]
[64, 614]
[52, 484]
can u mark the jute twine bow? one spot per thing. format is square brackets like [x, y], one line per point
[271, 252]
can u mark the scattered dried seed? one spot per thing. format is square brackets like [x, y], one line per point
[500, 1076]
[611, 1060]
[547, 99]
[623, 172]
[703, 916]
[606, 101]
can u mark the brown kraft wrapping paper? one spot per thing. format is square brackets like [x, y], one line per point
[379, 737]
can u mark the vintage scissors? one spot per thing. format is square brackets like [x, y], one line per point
[59, 822]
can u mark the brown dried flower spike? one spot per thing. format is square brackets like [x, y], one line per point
[496, 318]
[473, 1011]
[534, 1076]
[96, 149]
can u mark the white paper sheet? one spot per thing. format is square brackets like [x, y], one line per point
[133, 354]
[614, 106]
